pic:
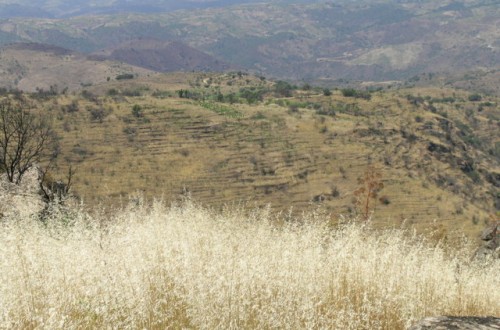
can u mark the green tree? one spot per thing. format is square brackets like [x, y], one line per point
[283, 89]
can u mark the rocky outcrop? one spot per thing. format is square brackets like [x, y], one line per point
[457, 323]
[491, 246]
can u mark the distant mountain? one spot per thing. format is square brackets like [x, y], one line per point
[59, 8]
[320, 42]
[162, 56]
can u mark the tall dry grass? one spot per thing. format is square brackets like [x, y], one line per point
[186, 266]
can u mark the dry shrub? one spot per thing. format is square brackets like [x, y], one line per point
[186, 266]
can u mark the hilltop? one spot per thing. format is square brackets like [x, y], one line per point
[31, 67]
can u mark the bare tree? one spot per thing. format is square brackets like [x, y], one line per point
[25, 139]
[55, 190]
[54, 193]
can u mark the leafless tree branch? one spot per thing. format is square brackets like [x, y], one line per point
[25, 139]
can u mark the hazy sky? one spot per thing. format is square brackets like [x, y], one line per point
[59, 8]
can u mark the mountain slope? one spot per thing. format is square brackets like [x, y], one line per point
[32, 67]
[438, 152]
[162, 56]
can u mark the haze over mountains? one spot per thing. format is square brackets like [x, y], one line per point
[305, 41]
[57, 8]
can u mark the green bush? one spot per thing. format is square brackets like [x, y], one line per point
[125, 76]
[475, 97]
[252, 95]
[283, 89]
[137, 111]
[351, 92]
[112, 92]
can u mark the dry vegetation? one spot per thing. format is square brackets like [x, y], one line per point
[153, 266]
[298, 151]
[186, 266]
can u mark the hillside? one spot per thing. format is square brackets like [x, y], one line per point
[162, 56]
[483, 81]
[321, 42]
[31, 67]
[437, 149]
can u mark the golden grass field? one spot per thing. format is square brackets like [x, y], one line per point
[187, 266]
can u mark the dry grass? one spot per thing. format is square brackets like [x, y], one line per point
[186, 266]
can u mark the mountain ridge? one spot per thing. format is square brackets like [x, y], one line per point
[162, 56]
[301, 42]
[31, 67]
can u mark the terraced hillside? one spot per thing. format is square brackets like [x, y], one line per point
[438, 151]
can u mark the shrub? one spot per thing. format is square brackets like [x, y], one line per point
[252, 95]
[112, 92]
[293, 108]
[161, 94]
[188, 94]
[283, 89]
[132, 92]
[80, 150]
[131, 133]
[351, 92]
[475, 97]
[137, 111]
[72, 107]
[125, 76]
[385, 200]
[89, 96]
[97, 114]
